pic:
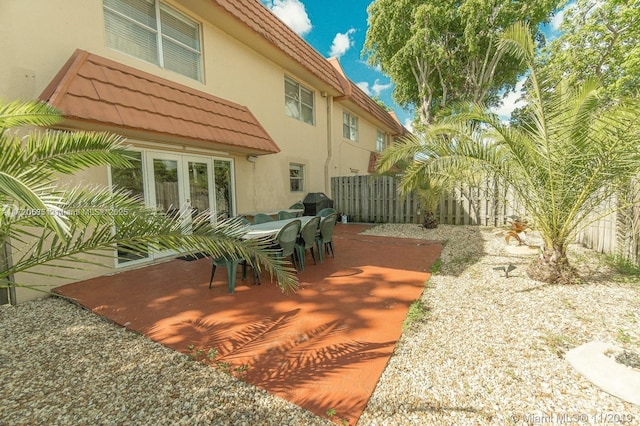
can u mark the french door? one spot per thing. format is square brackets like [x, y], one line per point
[179, 183]
[176, 184]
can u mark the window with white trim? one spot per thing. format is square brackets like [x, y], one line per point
[381, 141]
[350, 126]
[298, 101]
[296, 177]
[152, 31]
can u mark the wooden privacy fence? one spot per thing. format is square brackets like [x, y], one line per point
[365, 199]
[377, 200]
[617, 233]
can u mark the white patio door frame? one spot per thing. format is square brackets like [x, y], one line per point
[182, 199]
[182, 195]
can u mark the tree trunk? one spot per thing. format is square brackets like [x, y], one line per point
[430, 220]
[552, 266]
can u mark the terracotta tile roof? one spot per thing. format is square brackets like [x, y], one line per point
[260, 20]
[372, 107]
[92, 88]
[373, 161]
[263, 22]
[363, 101]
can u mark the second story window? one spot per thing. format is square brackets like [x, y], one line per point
[380, 142]
[298, 101]
[350, 126]
[152, 31]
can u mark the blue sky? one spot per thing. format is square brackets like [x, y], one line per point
[338, 28]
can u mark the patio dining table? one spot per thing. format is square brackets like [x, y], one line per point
[271, 228]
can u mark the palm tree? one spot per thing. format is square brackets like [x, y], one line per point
[569, 154]
[45, 224]
[426, 191]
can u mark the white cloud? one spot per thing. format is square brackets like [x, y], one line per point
[556, 21]
[373, 90]
[379, 88]
[341, 43]
[364, 86]
[292, 13]
[510, 102]
[408, 124]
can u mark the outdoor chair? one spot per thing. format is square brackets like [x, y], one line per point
[326, 212]
[286, 240]
[232, 266]
[297, 205]
[282, 214]
[324, 240]
[262, 218]
[307, 240]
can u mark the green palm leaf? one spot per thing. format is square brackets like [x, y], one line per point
[26, 113]
[573, 153]
[81, 227]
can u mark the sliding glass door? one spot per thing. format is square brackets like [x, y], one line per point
[176, 184]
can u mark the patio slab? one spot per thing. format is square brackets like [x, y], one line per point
[322, 348]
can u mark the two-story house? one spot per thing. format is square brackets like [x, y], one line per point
[226, 108]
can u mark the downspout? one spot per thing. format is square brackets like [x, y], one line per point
[327, 164]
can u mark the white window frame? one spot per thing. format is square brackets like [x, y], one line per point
[300, 179]
[294, 101]
[350, 126]
[381, 141]
[160, 36]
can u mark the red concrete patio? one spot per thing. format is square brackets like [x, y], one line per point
[322, 348]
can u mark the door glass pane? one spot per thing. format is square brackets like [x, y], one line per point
[130, 179]
[198, 187]
[224, 202]
[165, 176]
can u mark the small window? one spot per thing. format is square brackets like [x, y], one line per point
[298, 101]
[380, 142]
[154, 32]
[296, 177]
[350, 126]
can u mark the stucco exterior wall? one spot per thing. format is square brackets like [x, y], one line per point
[39, 36]
[352, 157]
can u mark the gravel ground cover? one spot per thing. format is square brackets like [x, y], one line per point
[490, 350]
[484, 349]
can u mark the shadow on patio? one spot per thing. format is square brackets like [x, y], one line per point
[322, 348]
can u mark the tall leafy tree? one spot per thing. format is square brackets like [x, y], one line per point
[573, 150]
[439, 52]
[45, 224]
[598, 39]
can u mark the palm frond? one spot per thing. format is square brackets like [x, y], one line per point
[69, 152]
[26, 113]
[517, 41]
[23, 196]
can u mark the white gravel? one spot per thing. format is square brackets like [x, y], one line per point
[489, 350]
